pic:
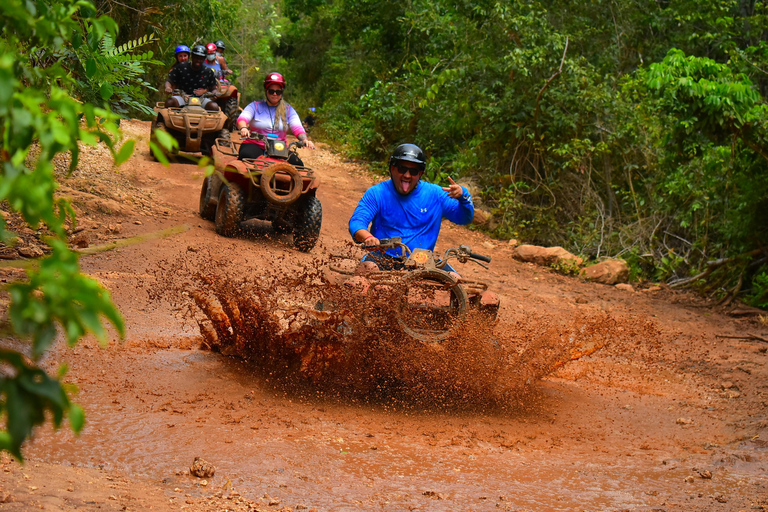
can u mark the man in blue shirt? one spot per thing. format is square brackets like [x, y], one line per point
[404, 206]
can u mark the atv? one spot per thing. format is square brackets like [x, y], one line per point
[430, 301]
[229, 101]
[193, 127]
[267, 188]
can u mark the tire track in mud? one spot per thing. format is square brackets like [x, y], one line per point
[301, 327]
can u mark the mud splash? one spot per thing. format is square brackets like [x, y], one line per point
[303, 325]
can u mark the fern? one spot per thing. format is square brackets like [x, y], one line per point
[113, 76]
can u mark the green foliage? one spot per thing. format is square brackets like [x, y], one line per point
[608, 128]
[668, 266]
[758, 296]
[566, 267]
[111, 76]
[26, 399]
[172, 23]
[36, 107]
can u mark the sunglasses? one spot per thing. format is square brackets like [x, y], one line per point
[275, 92]
[403, 169]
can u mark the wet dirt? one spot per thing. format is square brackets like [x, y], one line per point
[666, 415]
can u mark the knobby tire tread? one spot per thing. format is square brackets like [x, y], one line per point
[229, 211]
[307, 229]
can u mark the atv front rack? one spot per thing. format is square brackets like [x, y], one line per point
[277, 179]
[232, 148]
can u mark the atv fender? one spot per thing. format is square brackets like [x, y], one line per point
[234, 168]
[220, 159]
[314, 185]
[489, 304]
[236, 171]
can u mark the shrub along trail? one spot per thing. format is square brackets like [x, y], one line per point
[665, 416]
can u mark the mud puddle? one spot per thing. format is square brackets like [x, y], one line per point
[157, 411]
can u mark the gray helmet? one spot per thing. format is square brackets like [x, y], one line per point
[409, 153]
[220, 45]
[199, 50]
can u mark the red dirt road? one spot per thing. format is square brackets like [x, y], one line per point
[669, 418]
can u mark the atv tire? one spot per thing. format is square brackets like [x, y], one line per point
[278, 196]
[229, 211]
[306, 230]
[207, 210]
[431, 319]
[232, 111]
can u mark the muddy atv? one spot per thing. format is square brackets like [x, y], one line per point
[429, 301]
[193, 127]
[266, 188]
[229, 101]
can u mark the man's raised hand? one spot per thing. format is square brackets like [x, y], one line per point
[454, 189]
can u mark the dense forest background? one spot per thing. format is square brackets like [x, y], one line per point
[633, 128]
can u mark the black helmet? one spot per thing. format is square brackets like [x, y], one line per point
[409, 153]
[220, 45]
[199, 50]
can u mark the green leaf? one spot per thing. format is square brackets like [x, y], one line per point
[106, 91]
[125, 152]
[90, 68]
[76, 418]
[158, 152]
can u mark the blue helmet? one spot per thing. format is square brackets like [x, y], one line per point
[312, 109]
[182, 48]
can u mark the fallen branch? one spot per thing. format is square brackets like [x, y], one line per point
[714, 265]
[748, 337]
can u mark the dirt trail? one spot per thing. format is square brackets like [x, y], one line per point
[670, 418]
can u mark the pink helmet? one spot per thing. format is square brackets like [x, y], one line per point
[274, 78]
[210, 48]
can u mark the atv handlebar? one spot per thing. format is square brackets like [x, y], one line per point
[463, 253]
[263, 138]
[480, 257]
[179, 92]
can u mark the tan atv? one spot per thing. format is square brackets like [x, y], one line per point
[193, 127]
[229, 101]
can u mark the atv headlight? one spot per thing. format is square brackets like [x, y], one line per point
[279, 146]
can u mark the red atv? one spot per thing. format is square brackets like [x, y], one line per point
[429, 300]
[266, 188]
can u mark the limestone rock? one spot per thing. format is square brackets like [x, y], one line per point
[543, 255]
[481, 217]
[607, 272]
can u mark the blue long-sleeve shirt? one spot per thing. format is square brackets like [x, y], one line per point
[415, 217]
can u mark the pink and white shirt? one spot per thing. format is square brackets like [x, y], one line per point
[261, 119]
